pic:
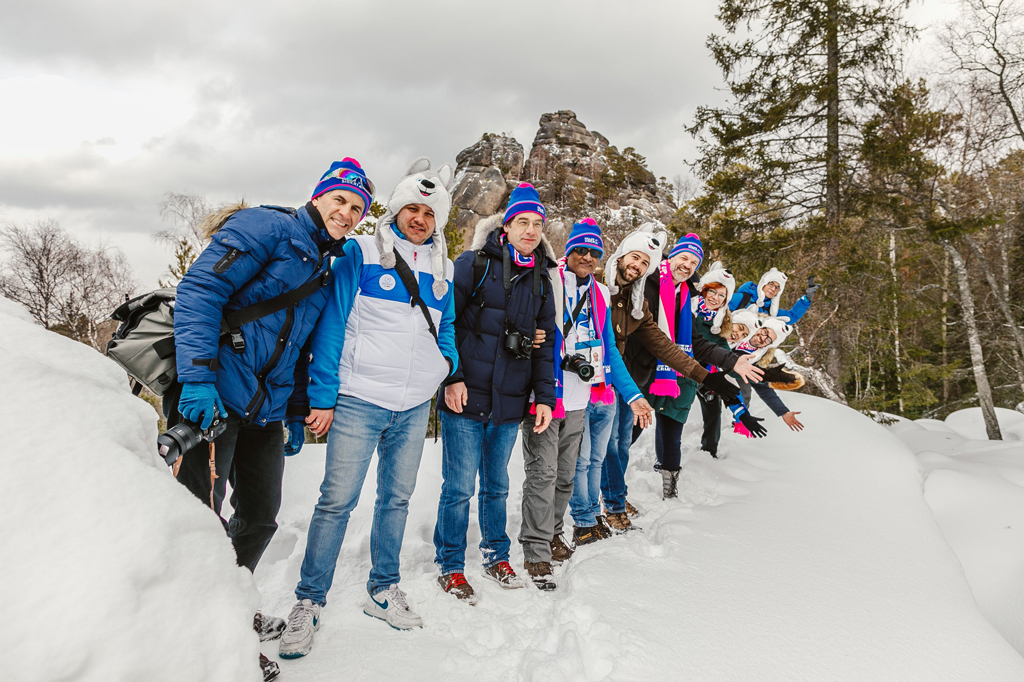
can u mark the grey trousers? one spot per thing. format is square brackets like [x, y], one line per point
[550, 460]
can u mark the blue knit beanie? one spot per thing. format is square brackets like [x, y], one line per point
[524, 199]
[585, 233]
[689, 244]
[348, 175]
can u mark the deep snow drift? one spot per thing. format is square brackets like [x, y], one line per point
[975, 487]
[109, 569]
[809, 556]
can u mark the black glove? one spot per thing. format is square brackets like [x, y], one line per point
[753, 425]
[725, 389]
[777, 374]
[812, 288]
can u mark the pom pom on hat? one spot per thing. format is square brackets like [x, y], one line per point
[524, 199]
[585, 233]
[689, 244]
[348, 175]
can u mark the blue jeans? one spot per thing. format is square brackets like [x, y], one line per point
[613, 475]
[360, 427]
[585, 503]
[473, 448]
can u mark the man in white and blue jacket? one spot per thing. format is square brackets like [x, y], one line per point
[587, 366]
[375, 365]
[767, 293]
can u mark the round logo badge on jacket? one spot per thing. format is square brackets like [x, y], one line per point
[387, 282]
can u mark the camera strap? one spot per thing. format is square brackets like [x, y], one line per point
[409, 280]
[575, 313]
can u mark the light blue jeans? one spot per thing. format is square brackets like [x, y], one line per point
[360, 427]
[473, 449]
[585, 503]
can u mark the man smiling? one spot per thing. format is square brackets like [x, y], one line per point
[380, 352]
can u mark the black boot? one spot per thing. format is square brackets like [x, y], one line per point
[669, 481]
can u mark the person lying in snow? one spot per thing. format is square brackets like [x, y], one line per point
[765, 334]
[766, 295]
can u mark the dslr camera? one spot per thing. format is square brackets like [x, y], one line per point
[179, 439]
[578, 365]
[517, 344]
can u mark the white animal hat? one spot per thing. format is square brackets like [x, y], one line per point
[749, 319]
[773, 275]
[420, 186]
[718, 275]
[779, 325]
[649, 238]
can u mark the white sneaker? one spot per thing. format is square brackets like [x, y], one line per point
[303, 621]
[389, 605]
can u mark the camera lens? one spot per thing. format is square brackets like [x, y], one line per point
[586, 372]
[177, 440]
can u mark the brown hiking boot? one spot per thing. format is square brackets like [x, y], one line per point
[456, 585]
[619, 523]
[631, 510]
[540, 574]
[584, 535]
[560, 552]
[503, 574]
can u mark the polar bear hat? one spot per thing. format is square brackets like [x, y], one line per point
[718, 275]
[779, 325]
[649, 238]
[773, 275]
[420, 186]
[749, 319]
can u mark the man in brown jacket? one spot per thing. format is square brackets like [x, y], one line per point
[636, 258]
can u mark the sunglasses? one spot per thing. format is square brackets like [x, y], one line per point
[583, 251]
[351, 177]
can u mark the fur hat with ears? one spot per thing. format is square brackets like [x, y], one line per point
[420, 186]
[649, 238]
[719, 275]
[773, 275]
[779, 325]
[749, 319]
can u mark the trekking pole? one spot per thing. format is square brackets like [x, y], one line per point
[213, 473]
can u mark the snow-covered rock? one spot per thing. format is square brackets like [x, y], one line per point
[109, 569]
[975, 487]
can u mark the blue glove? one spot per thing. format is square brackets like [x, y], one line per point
[296, 436]
[200, 401]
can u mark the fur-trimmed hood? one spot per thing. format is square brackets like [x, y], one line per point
[492, 224]
[215, 219]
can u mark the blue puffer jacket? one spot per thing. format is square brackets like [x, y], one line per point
[258, 254]
[747, 295]
[499, 386]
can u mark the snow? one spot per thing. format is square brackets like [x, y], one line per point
[803, 556]
[110, 569]
[975, 488]
[821, 555]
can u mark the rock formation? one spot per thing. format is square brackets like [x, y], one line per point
[576, 171]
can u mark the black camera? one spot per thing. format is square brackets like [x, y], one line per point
[517, 344]
[578, 365]
[179, 439]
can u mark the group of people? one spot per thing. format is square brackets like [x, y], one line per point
[512, 338]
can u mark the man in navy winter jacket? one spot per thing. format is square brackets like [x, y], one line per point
[497, 314]
[256, 380]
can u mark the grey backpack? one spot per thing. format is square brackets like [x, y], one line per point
[144, 341]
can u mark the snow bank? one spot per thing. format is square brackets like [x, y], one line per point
[110, 569]
[808, 556]
[975, 487]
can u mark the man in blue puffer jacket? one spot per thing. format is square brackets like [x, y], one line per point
[255, 255]
[506, 301]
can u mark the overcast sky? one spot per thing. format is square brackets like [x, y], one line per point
[109, 104]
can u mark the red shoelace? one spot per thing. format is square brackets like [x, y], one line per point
[456, 580]
[506, 568]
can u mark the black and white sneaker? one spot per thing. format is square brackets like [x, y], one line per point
[268, 627]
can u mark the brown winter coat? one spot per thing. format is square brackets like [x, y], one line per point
[657, 343]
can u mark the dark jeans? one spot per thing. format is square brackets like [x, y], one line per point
[613, 475]
[667, 435]
[255, 475]
[712, 413]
